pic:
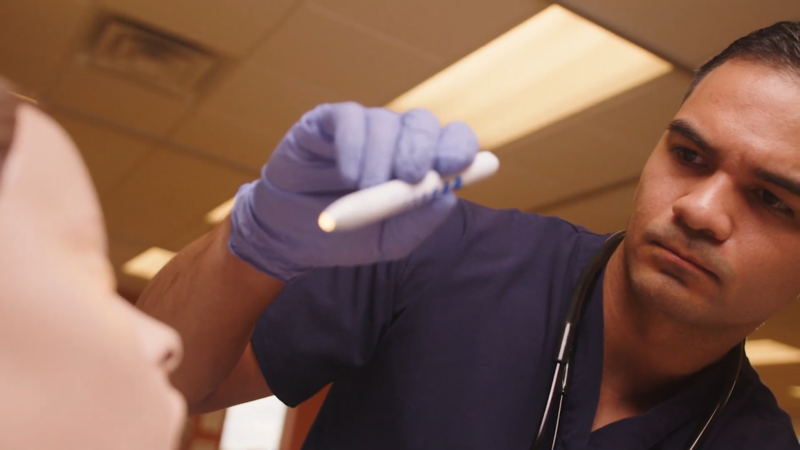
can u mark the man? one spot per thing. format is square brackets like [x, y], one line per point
[440, 330]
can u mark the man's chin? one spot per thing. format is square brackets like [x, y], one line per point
[671, 296]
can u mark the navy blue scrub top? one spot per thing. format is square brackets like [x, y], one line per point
[453, 348]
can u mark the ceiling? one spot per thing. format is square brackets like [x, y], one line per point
[162, 161]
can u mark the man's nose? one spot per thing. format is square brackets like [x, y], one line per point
[708, 207]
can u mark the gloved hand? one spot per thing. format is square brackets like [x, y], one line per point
[332, 151]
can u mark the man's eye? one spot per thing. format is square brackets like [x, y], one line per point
[774, 202]
[688, 156]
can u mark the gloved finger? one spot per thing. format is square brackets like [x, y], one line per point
[307, 174]
[346, 124]
[309, 141]
[383, 130]
[403, 233]
[416, 146]
[456, 148]
[306, 159]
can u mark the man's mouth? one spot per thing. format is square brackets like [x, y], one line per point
[681, 257]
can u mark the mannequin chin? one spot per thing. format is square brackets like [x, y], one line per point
[80, 368]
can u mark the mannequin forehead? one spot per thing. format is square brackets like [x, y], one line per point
[45, 190]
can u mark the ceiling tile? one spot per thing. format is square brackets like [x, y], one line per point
[782, 327]
[260, 98]
[37, 37]
[120, 252]
[117, 100]
[320, 47]
[602, 212]
[638, 118]
[166, 191]
[449, 29]
[598, 147]
[107, 153]
[229, 28]
[572, 160]
[688, 32]
[130, 287]
[227, 138]
[511, 187]
[246, 116]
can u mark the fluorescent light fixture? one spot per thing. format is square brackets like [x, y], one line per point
[794, 392]
[765, 352]
[254, 425]
[219, 213]
[148, 263]
[24, 97]
[550, 67]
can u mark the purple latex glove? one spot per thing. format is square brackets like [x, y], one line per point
[333, 150]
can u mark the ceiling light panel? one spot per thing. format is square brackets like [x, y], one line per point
[764, 352]
[794, 392]
[147, 264]
[219, 213]
[550, 67]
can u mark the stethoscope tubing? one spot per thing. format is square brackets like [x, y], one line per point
[564, 351]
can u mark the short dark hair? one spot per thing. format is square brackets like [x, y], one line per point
[777, 46]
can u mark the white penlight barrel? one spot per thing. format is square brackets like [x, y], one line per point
[380, 202]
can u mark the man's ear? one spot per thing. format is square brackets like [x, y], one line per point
[8, 114]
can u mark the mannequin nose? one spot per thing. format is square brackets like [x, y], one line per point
[165, 347]
[160, 344]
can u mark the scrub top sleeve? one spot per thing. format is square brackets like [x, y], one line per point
[324, 325]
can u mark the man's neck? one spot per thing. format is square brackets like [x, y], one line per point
[647, 355]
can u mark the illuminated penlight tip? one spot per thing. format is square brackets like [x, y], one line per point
[326, 222]
[147, 264]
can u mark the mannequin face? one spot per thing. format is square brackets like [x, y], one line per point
[79, 366]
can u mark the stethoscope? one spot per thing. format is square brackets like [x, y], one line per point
[565, 353]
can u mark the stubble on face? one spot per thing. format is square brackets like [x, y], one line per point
[684, 294]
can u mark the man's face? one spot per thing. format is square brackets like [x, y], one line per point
[714, 239]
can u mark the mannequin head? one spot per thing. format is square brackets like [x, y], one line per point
[79, 366]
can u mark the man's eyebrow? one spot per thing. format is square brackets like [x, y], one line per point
[792, 186]
[689, 132]
[686, 130]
